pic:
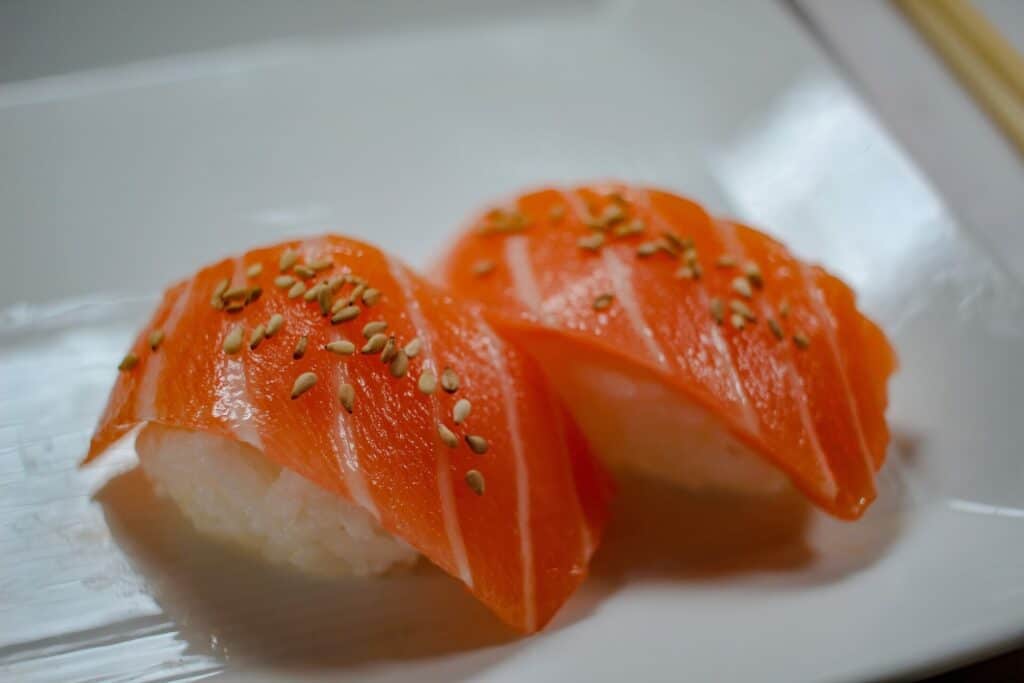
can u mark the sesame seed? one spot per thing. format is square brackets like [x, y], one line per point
[156, 338]
[216, 299]
[697, 271]
[284, 281]
[335, 283]
[303, 383]
[297, 290]
[345, 314]
[647, 249]
[773, 325]
[324, 299]
[753, 273]
[427, 382]
[356, 292]
[726, 261]
[347, 396]
[448, 437]
[233, 342]
[371, 296]
[684, 273]
[254, 294]
[375, 344]
[289, 257]
[313, 292]
[375, 327]
[742, 309]
[449, 380]
[741, 286]
[477, 444]
[300, 347]
[275, 323]
[461, 410]
[483, 267]
[612, 214]
[234, 306]
[690, 255]
[737, 321]
[412, 349]
[257, 336]
[129, 361]
[321, 264]
[801, 340]
[557, 212]
[603, 301]
[784, 308]
[717, 310]
[254, 270]
[677, 242]
[591, 242]
[475, 481]
[390, 351]
[400, 365]
[305, 272]
[633, 227]
[342, 347]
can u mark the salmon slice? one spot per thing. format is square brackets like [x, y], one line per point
[515, 515]
[687, 347]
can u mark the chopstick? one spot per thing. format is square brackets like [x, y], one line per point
[986, 64]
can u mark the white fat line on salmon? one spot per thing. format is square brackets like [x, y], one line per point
[145, 406]
[444, 475]
[622, 287]
[233, 404]
[817, 298]
[524, 281]
[750, 420]
[794, 382]
[348, 460]
[496, 351]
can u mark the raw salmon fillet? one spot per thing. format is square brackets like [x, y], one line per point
[621, 290]
[508, 501]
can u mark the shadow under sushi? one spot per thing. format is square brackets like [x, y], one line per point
[240, 609]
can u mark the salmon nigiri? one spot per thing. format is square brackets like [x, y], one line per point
[323, 404]
[689, 348]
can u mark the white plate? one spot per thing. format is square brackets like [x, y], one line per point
[120, 177]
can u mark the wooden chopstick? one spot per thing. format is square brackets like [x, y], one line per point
[985, 63]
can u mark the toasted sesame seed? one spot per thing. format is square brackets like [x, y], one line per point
[324, 299]
[254, 294]
[612, 214]
[475, 481]
[356, 292]
[449, 380]
[726, 261]
[234, 306]
[427, 382]
[412, 349]
[556, 212]
[684, 273]
[345, 314]
[477, 444]
[320, 264]
[284, 281]
[297, 290]
[773, 325]
[156, 338]
[300, 347]
[784, 308]
[375, 344]
[603, 301]
[275, 323]
[233, 342]
[257, 336]
[390, 351]
[129, 361]
[313, 292]
[289, 257]
[254, 270]
[483, 267]
[342, 347]
[375, 327]
[305, 272]
[741, 286]
[461, 410]
[647, 249]
[371, 296]
[633, 227]
[335, 283]
[717, 310]
[737, 321]
[591, 242]
[448, 437]
[216, 299]
[742, 309]
[303, 383]
[347, 396]
[400, 365]
[677, 242]
[753, 273]
[801, 340]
